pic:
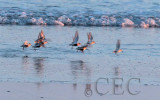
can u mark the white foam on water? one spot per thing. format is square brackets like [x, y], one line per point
[81, 13]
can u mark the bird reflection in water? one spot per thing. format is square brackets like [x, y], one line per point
[39, 84]
[39, 64]
[74, 86]
[79, 69]
[25, 63]
[117, 75]
[75, 66]
[117, 71]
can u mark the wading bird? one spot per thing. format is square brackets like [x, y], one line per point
[118, 48]
[75, 40]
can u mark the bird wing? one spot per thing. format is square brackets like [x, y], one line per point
[42, 35]
[91, 36]
[75, 39]
[39, 36]
[88, 37]
[118, 45]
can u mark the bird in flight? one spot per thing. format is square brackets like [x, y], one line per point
[118, 50]
[90, 39]
[41, 41]
[75, 40]
[26, 45]
[82, 48]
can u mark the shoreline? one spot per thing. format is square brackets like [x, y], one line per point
[48, 91]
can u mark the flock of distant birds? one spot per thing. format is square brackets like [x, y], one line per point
[41, 41]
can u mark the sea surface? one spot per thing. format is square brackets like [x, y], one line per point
[135, 22]
[59, 62]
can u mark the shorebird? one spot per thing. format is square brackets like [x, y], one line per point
[118, 48]
[75, 40]
[41, 37]
[26, 45]
[41, 41]
[82, 48]
[90, 38]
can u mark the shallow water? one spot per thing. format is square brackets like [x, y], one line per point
[58, 62]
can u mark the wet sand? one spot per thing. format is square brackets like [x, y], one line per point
[50, 91]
